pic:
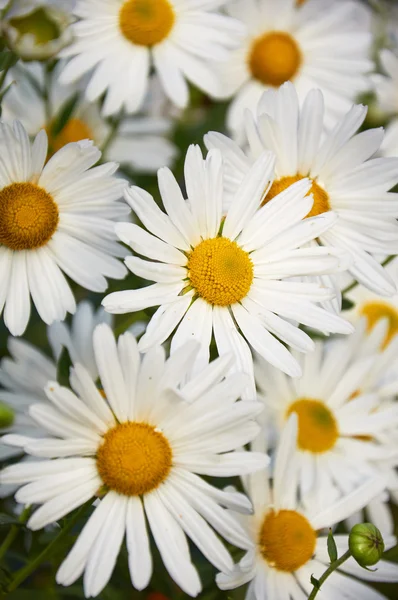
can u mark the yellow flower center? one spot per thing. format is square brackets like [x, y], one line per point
[374, 311]
[75, 130]
[134, 459]
[146, 22]
[317, 427]
[220, 271]
[321, 198]
[275, 58]
[28, 216]
[39, 24]
[287, 540]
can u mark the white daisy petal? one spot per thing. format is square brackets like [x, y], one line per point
[103, 554]
[110, 371]
[140, 559]
[167, 534]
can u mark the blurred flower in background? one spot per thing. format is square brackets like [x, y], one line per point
[38, 29]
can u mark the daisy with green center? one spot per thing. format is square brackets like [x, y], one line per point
[347, 422]
[118, 41]
[345, 177]
[228, 275]
[38, 29]
[289, 544]
[55, 217]
[312, 44]
[139, 444]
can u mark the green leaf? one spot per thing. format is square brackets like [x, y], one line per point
[63, 367]
[332, 548]
[7, 520]
[64, 114]
[347, 304]
[315, 583]
[5, 578]
[7, 59]
[3, 92]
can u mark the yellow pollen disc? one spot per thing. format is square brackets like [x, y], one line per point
[39, 24]
[321, 198]
[374, 311]
[287, 540]
[146, 22]
[275, 58]
[317, 427]
[134, 459]
[28, 216]
[220, 271]
[75, 130]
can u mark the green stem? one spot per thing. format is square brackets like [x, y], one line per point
[111, 135]
[8, 65]
[355, 283]
[12, 534]
[332, 567]
[23, 573]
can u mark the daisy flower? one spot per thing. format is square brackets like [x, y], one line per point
[344, 176]
[290, 545]
[373, 308]
[313, 44]
[228, 275]
[139, 445]
[344, 418]
[38, 29]
[24, 375]
[54, 218]
[120, 39]
[140, 142]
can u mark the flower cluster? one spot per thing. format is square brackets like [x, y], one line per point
[224, 173]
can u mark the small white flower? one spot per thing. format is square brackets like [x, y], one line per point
[347, 419]
[140, 142]
[224, 275]
[119, 40]
[289, 546]
[345, 176]
[140, 445]
[319, 44]
[54, 217]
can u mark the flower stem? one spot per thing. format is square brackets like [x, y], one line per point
[332, 567]
[12, 534]
[111, 135]
[23, 573]
[355, 283]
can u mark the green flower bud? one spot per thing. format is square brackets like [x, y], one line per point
[37, 34]
[366, 544]
[7, 415]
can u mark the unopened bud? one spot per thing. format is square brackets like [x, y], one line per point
[7, 416]
[366, 544]
[37, 34]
